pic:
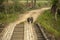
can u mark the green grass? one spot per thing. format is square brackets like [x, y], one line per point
[48, 22]
[7, 18]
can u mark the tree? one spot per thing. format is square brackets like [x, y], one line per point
[6, 6]
[58, 10]
[54, 8]
[27, 3]
[34, 3]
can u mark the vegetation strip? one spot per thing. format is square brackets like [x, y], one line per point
[48, 22]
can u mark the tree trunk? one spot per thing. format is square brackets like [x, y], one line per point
[34, 3]
[6, 7]
[54, 10]
[27, 3]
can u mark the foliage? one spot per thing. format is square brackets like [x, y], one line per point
[54, 1]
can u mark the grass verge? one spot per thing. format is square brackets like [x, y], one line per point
[48, 22]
